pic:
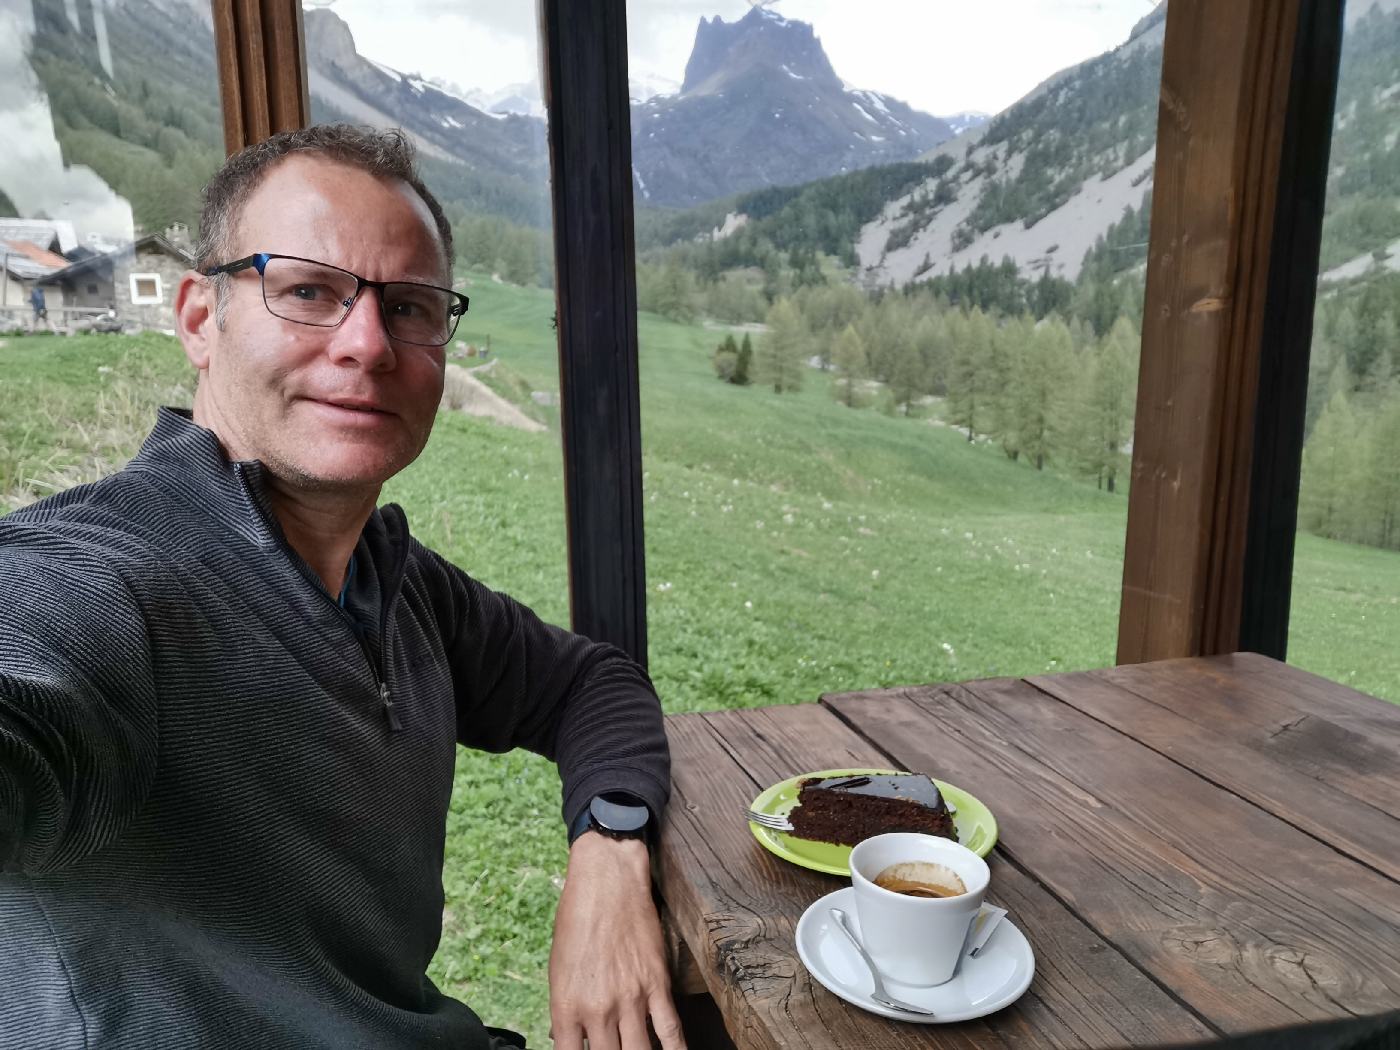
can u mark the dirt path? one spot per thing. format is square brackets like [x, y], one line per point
[463, 392]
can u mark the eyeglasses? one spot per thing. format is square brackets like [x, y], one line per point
[316, 293]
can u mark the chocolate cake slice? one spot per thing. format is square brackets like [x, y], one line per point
[849, 809]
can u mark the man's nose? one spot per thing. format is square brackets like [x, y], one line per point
[362, 337]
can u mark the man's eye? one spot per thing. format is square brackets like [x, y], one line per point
[309, 292]
[406, 309]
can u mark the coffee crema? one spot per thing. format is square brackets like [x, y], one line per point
[920, 878]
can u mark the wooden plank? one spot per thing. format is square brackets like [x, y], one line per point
[1247, 920]
[1286, 337]
[261, 56]
[590, 152]
[1226, 73]
[288, 94]
[1336, 784]
[1278, 692]
[230, 84]
[737, 906]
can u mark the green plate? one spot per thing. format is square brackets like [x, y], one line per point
[975, 825]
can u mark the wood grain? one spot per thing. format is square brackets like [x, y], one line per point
[590, 152]
[1337, 784]
[736, 906]
[1249, 921]
[261, 55]
[1226, 72]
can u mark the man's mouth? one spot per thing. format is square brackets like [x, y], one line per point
[354, 405]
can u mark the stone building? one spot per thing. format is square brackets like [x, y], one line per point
[137, 281]
[28, 254]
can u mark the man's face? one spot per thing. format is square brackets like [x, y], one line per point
[324, 408]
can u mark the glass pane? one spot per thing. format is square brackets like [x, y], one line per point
[1346, 572]
[462, 80]
[890, 271]
[110, 122]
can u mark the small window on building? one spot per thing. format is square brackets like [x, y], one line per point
[145, 289]
[92, 289]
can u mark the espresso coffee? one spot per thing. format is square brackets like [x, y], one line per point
[920, 878]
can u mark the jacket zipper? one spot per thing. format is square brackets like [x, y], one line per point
[381, 683]
[381, 679]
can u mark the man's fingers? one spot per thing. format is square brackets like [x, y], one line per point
[566, 1036]
[666, 1022]
[602, 1035]
[633, 1029]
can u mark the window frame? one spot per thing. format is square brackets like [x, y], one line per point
[1247, 91]
[146, 300]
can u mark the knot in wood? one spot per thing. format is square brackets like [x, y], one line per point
[1308, 970]
[1204, 944]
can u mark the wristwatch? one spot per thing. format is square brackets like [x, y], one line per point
[616, 814]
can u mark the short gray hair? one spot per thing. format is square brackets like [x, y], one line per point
[384, 154]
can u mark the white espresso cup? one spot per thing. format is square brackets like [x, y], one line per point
[915, 940]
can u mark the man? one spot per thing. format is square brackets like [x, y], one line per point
[231, 688]
[41, 310]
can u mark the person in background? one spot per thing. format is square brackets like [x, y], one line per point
[41, 310]
[232, 686]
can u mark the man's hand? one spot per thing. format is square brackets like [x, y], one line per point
[607, 969]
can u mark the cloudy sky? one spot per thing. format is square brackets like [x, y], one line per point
[942, 56]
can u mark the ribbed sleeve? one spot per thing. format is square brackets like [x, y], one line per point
[223, 797]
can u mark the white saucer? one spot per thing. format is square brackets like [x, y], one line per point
[998, 976]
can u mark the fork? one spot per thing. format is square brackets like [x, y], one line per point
[769, 820]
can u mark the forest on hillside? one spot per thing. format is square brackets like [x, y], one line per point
[1013, 358]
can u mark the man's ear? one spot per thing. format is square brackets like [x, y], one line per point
[195, 320]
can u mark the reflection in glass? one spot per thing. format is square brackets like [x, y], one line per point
[110, 116]
[1346, 584]
[461, 79]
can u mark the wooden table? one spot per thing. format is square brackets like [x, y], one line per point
[1193, 847]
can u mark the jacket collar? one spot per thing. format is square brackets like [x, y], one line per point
[189, 463]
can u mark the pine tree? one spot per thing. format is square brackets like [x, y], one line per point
[726, 359]
[1326, 490]
[851, 364]
[931, 342]
[908, 379]
[1038, 389]
[1382, 485]
[971, 338]
[782, 352]
[1010, 346]
[1112, 386]
[743, 367]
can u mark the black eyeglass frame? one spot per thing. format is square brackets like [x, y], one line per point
[259, 261]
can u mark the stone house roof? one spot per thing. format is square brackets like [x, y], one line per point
[27, 261]
[54, 234]
[151, 240]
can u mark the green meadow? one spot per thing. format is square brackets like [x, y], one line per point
[794, 547]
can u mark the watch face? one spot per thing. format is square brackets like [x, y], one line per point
[623, 817]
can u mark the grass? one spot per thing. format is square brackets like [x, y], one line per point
[794, 547]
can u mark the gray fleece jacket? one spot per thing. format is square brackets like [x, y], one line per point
[223, 797]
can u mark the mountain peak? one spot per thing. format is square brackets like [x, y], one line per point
[763, 38]
[328, 37]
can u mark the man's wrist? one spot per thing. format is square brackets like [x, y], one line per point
[615, 815]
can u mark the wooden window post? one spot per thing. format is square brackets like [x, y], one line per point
[590, 150]
[1243, 129]
[261, 50]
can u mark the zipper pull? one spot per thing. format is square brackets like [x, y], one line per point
[387, 701]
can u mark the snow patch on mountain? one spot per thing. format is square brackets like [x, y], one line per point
[1056, 244]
